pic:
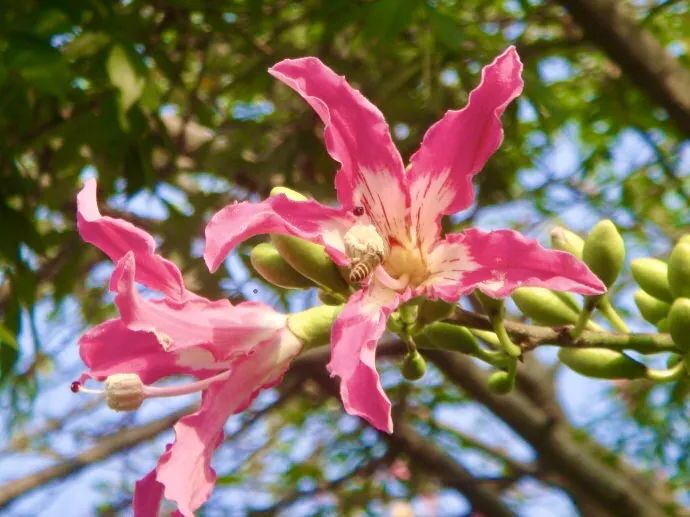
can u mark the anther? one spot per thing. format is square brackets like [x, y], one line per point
[358, 210]
[75, 387]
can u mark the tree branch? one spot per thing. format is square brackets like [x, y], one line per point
[532, 336]
[638, 53]
[104, 448]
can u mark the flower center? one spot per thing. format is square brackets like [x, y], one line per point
[404, 261]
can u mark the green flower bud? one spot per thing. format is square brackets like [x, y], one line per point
[434, 310]
[601, 363]
[679, 270]
[662, 326]
[679, 323]
[544, 306]
[652, 309]
[652, 276]
[604, 252]
[446, 336]
[313, 326]
[565, 240]
[673, 359]
[329, 298]
[394, 323]
[492, 306]
[273, 268]
[311, 260]
[413, 366]
[501, 382]
[289, 193]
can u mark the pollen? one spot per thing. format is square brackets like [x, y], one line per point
[124, 391]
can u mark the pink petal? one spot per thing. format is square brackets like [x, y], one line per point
[115, 237]
[111, 348]
[226, 330]
[185, 468]
[499, 262]
[456, 147]
[148, 495]
[355, 334]
[372, 174]
[305, 219]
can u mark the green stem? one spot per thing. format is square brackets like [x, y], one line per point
[672, 374]
[610, 314]
[583, 319]
[504, 340]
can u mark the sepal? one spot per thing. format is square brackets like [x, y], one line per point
[313, 326]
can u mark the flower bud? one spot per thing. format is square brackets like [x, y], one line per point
[446, 336]
[313, 326]
[434, 310]
[501, 382]
[329, 298]
[492, 306]
[604, 251]
[544, 306]
[124, 391]
[565, 240]
[652, 309]
[311, 261]
[413, 366]
[601, 363]
[652, 276]
[274, 269]
[662, 325]
[679, 270]
[679, 323]
[289, 193]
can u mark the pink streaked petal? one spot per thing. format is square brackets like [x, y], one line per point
[148, 495]
[356, 333]
[185, 468]
[115, 237]
[456, 147]
[357, 136]
[499, 262]
[226, 330]
[111, 348]
[308, 220]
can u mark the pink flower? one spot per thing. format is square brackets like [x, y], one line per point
[233, 351]
[390, 216]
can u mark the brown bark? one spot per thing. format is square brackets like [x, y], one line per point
[103, 449]
[610, 25]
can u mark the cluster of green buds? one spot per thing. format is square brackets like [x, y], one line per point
[663, 300]
[664, 296]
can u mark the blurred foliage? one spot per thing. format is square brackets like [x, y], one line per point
[169, 103]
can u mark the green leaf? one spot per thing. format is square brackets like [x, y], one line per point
[124, 74]
[40, 65]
